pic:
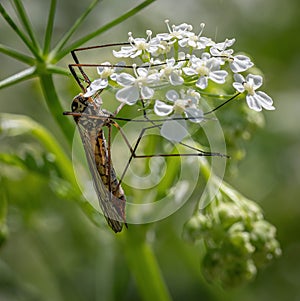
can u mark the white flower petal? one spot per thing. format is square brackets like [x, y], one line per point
[218, 76]
[129, 95]
[170, 62]
[172, 95]
[215, 52]
[195, 115]
[239, 87]
[136, 53]
[124, 52]
[253, 103]
[175, 79]
[174, 130]
[104, 65]
[99, 84]
[89, 92]
[257, 80]
[189, 71]
[153, 78]
[265, 100]
[239, 78]
[205, 56]
[146, 92]
[240, 63]
[223, 45]
[202, 82]
[114, 76]
[162, 109]
[125, 79]
[142, 72]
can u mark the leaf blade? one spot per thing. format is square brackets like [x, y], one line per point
[18, 77]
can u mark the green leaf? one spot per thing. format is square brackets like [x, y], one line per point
[49, 28]
[16, 54]
[19, 32]
[58, 70]
[26, 23]
[18, 77]
[75, 26]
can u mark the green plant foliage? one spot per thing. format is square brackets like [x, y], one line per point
[52, 249]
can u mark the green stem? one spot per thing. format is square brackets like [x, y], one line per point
[205, 169]
[71, 31]
[20, 33]
[144, 266]
[3, 213]
[97, 32]
[16, 55]
[55, 107]
[49, 28]
[58, 70]
[62, 161]
[26, 23]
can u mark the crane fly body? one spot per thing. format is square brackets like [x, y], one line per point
[110, 193]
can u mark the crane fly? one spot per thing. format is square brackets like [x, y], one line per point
[91, 119]
[110, 193]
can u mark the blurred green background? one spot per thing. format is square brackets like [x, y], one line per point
[54, 252]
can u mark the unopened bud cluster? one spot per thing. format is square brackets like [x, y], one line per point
[237, 238]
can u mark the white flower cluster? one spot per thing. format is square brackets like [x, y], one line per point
[183, 61]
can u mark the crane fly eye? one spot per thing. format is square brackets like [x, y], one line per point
[74, 107]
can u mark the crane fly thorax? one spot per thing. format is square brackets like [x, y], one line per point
[90, 111]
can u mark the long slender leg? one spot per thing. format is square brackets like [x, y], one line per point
[109, 165]
[74, 74]
[133, 149]
[80, 66]
[181, 143]
[85, 77]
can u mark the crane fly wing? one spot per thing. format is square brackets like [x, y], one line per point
[113, 208]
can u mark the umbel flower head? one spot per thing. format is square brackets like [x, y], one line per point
[179, 60]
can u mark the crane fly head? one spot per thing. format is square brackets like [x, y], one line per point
[79, 103]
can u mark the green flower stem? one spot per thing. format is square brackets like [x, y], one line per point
[54, 105]
[144, 266]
